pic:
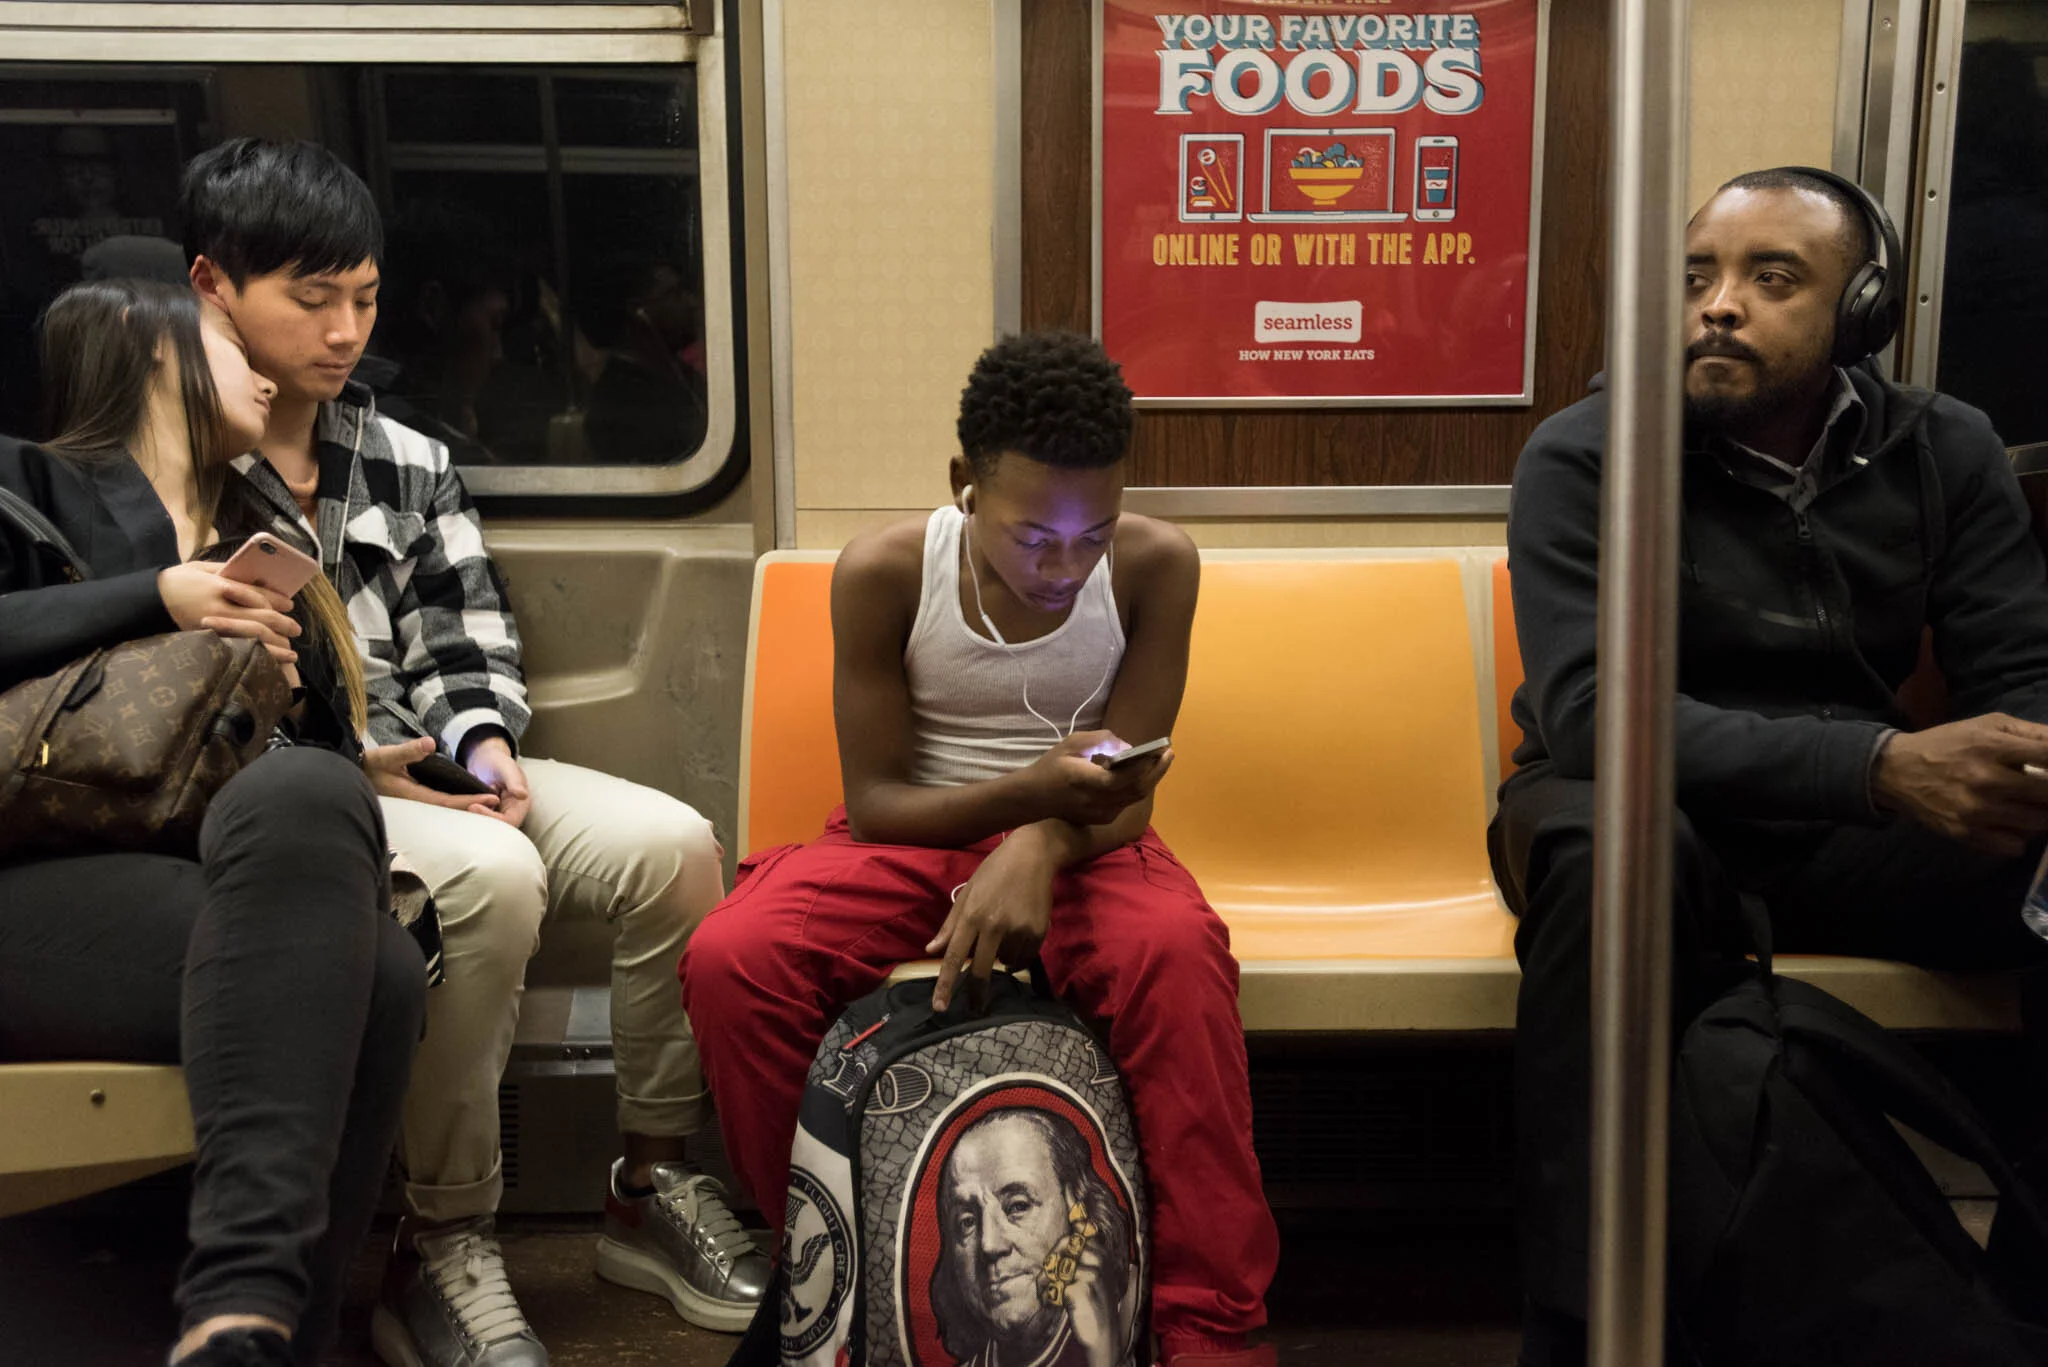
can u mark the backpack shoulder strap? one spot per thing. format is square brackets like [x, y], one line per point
[761, 1344]
[1904, 1085]
[43, 533]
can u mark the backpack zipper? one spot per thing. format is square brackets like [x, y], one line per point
[856, 1041]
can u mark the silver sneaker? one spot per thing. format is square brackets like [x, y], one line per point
[446, 1303]
[682, 1242]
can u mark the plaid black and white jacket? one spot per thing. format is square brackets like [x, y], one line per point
[400, 538]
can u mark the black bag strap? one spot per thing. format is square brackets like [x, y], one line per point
[1906, 1087]
[1756, 919]
[12, 780]
[43, 533]
[761, 1344]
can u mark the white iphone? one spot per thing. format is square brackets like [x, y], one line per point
[1136, 752]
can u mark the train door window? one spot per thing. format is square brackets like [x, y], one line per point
[558, 279]
[1994, 288]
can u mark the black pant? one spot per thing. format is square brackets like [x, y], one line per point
[272, 971]
[1896, 891]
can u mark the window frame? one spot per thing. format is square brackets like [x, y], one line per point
[162, 35]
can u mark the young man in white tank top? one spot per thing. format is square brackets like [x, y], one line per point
[983, 656]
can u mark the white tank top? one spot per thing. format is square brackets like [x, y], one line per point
[968, 718]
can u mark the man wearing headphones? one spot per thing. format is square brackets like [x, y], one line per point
[985, 657]
[1831, 519]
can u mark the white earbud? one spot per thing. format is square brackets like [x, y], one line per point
[967, 543]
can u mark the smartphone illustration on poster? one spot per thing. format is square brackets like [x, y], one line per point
[1211, 177]
[1436, 179]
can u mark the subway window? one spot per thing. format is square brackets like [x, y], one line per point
[1994, 295]
[544, 297]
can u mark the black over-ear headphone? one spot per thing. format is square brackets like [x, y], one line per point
[1868, 313]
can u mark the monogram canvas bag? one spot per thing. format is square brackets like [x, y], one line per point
[123, 748]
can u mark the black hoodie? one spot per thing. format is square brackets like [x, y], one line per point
[1795, 628]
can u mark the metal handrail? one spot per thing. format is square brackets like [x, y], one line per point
[1638, 678]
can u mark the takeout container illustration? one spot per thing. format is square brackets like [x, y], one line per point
[1325, 175]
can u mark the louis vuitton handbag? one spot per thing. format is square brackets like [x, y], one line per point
[123, 748]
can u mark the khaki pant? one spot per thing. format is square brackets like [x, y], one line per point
[592, 847]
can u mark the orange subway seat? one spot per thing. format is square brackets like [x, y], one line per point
[789, 749]
[1328, 784]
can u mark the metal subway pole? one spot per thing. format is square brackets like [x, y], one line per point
[1638, 678]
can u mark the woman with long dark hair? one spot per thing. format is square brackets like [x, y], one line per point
[267, 964]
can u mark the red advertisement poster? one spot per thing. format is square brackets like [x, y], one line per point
[1319, 203]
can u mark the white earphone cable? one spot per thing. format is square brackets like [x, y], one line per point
[1024, 675]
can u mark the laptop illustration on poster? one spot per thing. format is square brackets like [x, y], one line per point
[1212, 177]
[1329, 175]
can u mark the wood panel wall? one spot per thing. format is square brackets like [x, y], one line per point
[1212, 447]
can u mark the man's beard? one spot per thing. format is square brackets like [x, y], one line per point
[1776, 388]
[1728, 412]
[1723, 412]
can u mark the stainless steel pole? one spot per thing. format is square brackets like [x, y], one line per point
[1637, 685]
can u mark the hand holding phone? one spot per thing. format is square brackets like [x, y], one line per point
[1134, 754]
[269, 563]
[444, 775]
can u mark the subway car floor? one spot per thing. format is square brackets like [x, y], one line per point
[88, 1285]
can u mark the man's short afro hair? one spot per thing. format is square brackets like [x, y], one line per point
[1053, 397]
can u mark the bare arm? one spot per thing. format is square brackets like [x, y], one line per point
[874, 602]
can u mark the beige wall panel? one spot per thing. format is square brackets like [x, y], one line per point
[890, 213]
[1763, 87]
[1325, 532]
[829, 529]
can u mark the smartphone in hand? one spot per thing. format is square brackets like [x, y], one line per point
[1135, 753]
[269, 563]
[444, 775]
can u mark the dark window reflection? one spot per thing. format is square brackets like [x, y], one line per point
[612, 113]
[91, 166]
[543, 297]
[1994, 352]
[430, 106]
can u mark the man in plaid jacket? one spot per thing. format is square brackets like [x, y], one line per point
[287, 240]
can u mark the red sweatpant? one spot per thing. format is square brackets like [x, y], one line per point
[810, 928]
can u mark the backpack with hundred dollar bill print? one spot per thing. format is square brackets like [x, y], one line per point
[964, 1191]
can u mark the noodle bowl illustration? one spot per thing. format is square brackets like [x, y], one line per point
[1325, 176]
